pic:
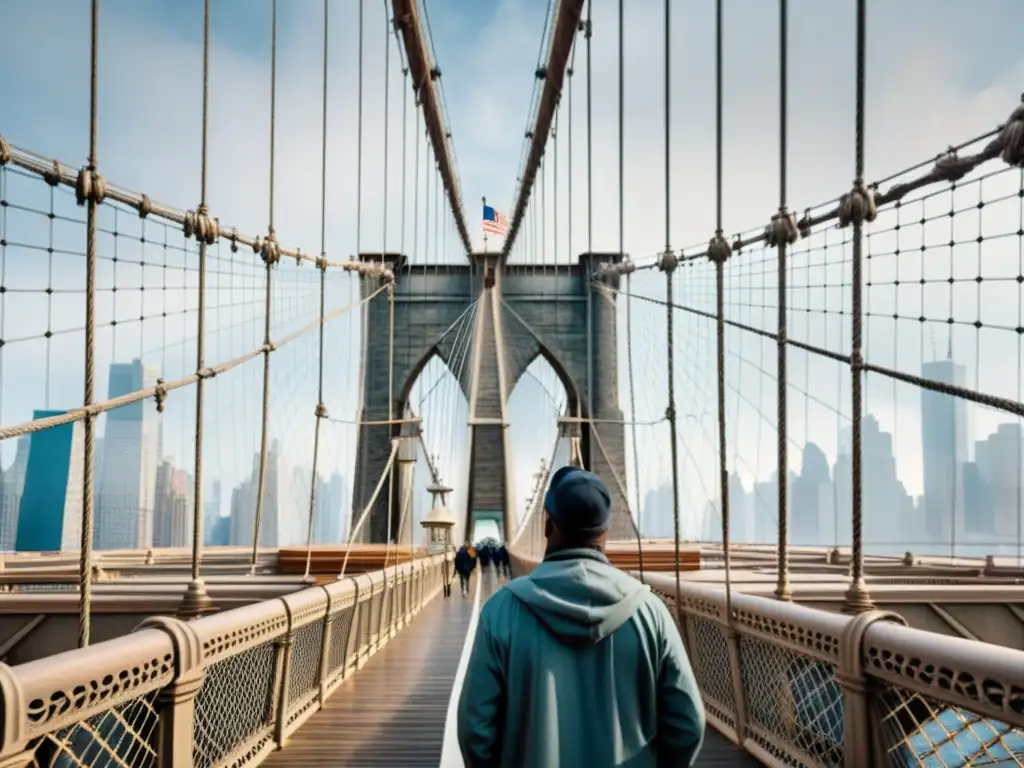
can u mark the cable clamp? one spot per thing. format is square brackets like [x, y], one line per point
[161, 395]
[668, 261]
[1011, 137]
[782, 230]
[719, 250]
[199, 224]
[90, 186]
[857, 205]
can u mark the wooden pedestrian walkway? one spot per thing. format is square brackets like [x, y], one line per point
[394, 710]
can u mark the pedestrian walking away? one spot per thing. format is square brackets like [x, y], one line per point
[578, 663]
[465, 562]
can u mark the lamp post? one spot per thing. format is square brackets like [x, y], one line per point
[439, 524]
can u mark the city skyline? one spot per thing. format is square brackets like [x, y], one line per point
[972, 480]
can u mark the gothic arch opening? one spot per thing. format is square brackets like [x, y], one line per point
[435, 395]
[540, 397]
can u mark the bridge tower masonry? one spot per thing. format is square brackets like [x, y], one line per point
[564, 313]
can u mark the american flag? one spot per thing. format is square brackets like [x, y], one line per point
[494, 222]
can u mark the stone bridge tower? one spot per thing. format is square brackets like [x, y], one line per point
[515, 313]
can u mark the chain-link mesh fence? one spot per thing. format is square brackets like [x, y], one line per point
[121, 736]
[234, 704]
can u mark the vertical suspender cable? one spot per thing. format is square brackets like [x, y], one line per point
[269, 257]
[391, 290]
[391, 411]
[856, 208]
[543, 212]
[629, 302]
[387, 126]
[569, 222]
[364, 310]
[590, 217]
[554, 194]
[321, 409]
[590, 148]
[405, 153]
[401, 249]
[196, 598]
[359, 139]
[89, 424]
[782, 587]
[722, 249]
[668, 265]
[719, 252]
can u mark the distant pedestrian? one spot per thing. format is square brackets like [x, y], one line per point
[465, 562]
[504, 562]
[485, 554]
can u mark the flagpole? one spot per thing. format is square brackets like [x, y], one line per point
[485, 231]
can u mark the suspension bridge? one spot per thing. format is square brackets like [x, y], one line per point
[229, 518]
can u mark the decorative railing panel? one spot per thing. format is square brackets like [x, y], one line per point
[797, 686]
[801, 687]
[794, 705]
[341, 630]
[712, 667]
[223, 690]
[122, 735]
[234, 708]
[305, 661]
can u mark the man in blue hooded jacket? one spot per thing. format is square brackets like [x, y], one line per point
[578, 664]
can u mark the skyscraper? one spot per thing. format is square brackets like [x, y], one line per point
[330, 499]
[811, 500]
[280, 524]
[1000, 467]
[886, 506]
[50, 515]
[172, 518]
[125, 492]
[12, 485]
[211, 512]
[275, 489]
[944, 452]
[741, 523]
[243, 511]
[657, 518]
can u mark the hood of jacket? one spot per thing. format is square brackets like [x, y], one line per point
[579, 596]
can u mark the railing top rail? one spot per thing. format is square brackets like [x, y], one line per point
[55, 691]
[813, 631]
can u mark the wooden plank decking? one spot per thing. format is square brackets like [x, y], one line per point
[719, 751]
[393, 711]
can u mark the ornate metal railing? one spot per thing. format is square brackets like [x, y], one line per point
[797, 686]
[223, 690]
